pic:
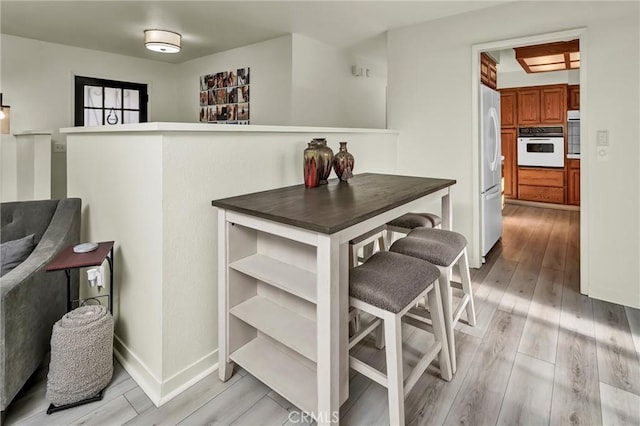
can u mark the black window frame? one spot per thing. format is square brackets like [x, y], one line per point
[81, 82]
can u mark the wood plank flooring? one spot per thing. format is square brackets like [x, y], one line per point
[540, 354]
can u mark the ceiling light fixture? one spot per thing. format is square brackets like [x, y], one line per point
[559, 56]
[162, 41]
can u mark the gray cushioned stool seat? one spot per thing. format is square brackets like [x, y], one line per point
[437, 246]
[415, 220]
[391, 281]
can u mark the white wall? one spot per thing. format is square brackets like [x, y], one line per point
[295, 81]
[325, 93]
[430, 102]
[522, 79]
[270, 79]
[38, 83]
[157, 207]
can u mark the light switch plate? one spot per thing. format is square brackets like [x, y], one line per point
[603, 138]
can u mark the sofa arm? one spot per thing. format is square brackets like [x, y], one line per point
[33, 300]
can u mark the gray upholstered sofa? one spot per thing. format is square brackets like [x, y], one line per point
[32, 300]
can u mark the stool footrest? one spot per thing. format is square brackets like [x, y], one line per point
[368, 371]
[421, 367]
[364, 331]
[417, 323]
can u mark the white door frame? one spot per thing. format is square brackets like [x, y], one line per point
[476, 49]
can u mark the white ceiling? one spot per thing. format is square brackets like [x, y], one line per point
[213, 26]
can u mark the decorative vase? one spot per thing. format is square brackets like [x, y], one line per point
[311, 158]
[343, 163]
[326, 159]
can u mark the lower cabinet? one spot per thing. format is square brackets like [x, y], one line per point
[573, 182]
[539, 184]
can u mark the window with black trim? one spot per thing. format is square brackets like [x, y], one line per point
[99, 102]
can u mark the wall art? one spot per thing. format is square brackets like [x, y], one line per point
[224, 97]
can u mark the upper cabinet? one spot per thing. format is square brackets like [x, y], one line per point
[508, 108]
[542, 105]
[553, 101]
[528, 106]
[573, 97]
[488, 71]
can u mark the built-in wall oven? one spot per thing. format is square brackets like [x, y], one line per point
[541, 146]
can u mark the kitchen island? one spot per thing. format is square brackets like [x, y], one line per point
[149, 187]
[283, 259]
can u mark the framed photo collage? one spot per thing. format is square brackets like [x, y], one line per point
[224, 97]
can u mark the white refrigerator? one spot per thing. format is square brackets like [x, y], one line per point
[490, 169]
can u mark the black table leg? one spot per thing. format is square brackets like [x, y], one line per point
[69, 302]
[110, 261]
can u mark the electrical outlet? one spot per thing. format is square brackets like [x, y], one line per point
[59, 147]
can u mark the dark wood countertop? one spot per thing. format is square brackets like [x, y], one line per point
[337, 205]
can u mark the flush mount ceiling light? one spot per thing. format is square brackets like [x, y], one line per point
[559, 56]
[162, 41]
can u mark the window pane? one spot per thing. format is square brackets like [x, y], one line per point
[112, 117]
[112, 97]
[93, 96]
[131, 117]
[92, 117]
[131, 99]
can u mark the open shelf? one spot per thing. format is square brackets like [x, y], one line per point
[282, 372]
[279, 323]
[284, 276]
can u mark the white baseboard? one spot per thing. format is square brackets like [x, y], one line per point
[162, 391]
[189, 376]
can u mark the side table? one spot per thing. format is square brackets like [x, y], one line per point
[67, 260]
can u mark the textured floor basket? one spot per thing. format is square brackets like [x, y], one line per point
[81, 355]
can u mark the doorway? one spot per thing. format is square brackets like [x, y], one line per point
[568, 175]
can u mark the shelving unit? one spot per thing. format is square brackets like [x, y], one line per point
[272, 307]
[279, 274]
[282, 324]
[285, 374]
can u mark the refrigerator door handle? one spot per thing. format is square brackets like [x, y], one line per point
[493, 193]
[494, 122]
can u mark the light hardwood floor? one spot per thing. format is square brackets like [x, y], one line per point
[540, 354]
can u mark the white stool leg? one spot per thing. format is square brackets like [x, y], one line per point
[437, 321]
[380, 337]
[395, 378]
[446, 295]
[467, 287]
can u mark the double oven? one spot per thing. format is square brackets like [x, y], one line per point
[541, 146]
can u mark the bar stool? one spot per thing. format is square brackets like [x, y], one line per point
[387, 286]
[408, 222]
[444, 249]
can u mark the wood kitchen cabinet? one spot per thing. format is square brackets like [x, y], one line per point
[542, 105]
[539, 184]
[553, 101]
[528, 106]
[508, 108]
[573, 182]
[488, 71]
[510, 171]
[573, 97]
